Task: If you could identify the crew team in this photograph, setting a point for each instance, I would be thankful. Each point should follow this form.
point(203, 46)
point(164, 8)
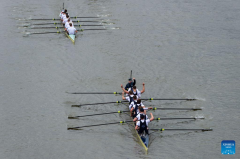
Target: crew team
point(67, 22)
point(136, 107)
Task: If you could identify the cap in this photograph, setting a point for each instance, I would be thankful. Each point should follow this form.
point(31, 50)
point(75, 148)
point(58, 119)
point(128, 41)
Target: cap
point(130, 79)
point(141, 110)
point(141, 116)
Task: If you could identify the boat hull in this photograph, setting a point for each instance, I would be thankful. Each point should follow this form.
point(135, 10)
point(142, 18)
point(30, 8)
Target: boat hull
point(144, 140)
point(71, 37)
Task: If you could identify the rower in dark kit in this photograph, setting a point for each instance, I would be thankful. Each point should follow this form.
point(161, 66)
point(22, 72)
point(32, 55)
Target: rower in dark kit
point(142, 125)
point(135, 107)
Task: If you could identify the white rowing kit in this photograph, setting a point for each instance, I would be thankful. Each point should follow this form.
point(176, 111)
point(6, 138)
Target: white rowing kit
point(71, 30)
point(137, 91)
point(147, 121)
point(138, 116)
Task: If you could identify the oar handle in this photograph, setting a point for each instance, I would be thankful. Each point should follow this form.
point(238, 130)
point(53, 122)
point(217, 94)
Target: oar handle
point(167, 99)
point(162, 129)
point(76, 117)
point(121, 122)
point(175, 118)
point(99, 103)
point(95, 93)
point(176, 108)
point(83, 17)
point(46, 32)
point(84, 21)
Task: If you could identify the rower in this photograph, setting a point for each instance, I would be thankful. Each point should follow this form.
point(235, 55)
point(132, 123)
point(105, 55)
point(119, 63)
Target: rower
point(130, 83)
point(142, 110)
point(67, 24)
point(135, 107)
point(71, 30)
point(142, 125)
point(128, 97)
point(135, 90)
point(63, 15)
point(66, 19)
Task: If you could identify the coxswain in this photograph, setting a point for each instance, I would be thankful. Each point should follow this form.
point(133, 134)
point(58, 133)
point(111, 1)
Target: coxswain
point(71, 30)
point(130, 83)
point(135, 90)
point(142, 125)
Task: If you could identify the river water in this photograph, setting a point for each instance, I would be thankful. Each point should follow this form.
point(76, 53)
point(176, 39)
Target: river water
point(179, 49)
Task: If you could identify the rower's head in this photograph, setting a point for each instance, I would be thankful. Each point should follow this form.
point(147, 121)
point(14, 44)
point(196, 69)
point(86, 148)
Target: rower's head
point(130, 92)
point(68, 19)
point(141, 116)
point(67, 16)
point(134, 87)
point(65, 11)
point(130, 80)
point(134, 97)
point(70, 24)
point(139, 101)
point(141, 110)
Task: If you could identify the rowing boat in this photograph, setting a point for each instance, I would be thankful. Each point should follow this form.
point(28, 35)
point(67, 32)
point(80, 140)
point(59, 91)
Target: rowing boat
point(71, 37)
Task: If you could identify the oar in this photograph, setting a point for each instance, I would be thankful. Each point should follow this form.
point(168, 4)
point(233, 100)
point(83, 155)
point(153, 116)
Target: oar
point(61, 27)
point(63, 31)
point(76, 117)
point(99, 103)
point(177, 108)
point(45, 32)
point(175, 118)
point(61, 23)
point(84, 17)
point(95, 93)
point(59, 18)
point(131, 74)
point(79, 127)
point(162, 129)
point(168, 99)
point(91, 29)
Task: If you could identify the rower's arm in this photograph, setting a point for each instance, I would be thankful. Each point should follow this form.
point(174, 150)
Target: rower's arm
point(143, 90)
point(134, 81)
point(135, 119)
point(152, 118)
point(123, 98)
point(145, 111)
point(137, 127)
point(131, 110)
point(124, 89)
